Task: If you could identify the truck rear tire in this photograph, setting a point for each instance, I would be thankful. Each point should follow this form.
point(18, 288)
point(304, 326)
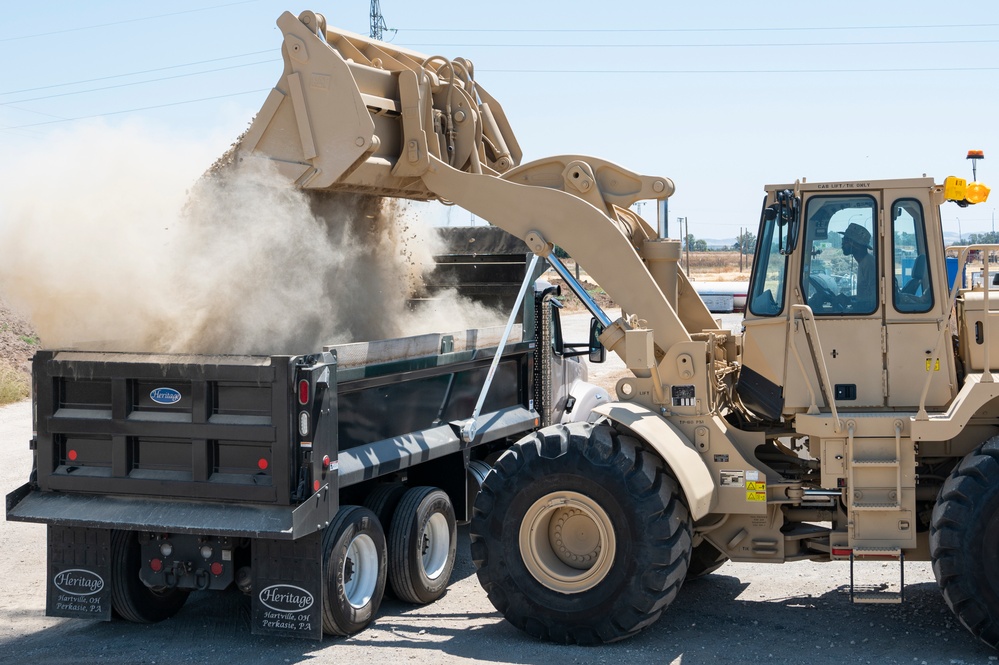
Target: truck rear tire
point(964, 542)
point(354, 570)
point(130, 598)
point(580, 535)
point(422, 545)
point(382, 501)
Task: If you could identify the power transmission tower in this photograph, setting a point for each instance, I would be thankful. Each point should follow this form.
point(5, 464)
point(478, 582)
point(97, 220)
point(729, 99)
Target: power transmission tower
point(378, 27)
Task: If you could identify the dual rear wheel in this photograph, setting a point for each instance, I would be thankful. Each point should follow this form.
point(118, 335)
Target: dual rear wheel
point(414, 556)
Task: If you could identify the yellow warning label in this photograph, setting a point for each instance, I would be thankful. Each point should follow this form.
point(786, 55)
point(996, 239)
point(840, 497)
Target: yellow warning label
point(929, 364)
point(756, 490)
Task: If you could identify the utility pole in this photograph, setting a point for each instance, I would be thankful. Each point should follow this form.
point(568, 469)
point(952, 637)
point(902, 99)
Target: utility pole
point(742, 246)
point(681, 222)
point(378, 27)
point(686, 224)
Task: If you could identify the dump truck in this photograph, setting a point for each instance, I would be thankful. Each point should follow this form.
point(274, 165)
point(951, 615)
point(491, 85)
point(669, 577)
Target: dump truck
point(852, 419)
point(310, 482)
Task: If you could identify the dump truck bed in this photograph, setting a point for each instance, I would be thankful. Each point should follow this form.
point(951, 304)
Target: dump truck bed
point(207, 444)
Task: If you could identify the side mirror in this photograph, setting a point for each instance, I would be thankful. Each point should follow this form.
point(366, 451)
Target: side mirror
point(787, 212)
point(598, 353)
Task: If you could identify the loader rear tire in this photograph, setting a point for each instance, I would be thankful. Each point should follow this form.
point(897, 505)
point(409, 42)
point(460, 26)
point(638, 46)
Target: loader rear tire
point(704, 560)
point(354, 570)
point(964, 542)
point(580, 535)
point(130, 598)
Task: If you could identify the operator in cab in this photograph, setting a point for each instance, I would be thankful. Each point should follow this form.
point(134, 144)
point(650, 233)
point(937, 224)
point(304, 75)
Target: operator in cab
point(857, 243)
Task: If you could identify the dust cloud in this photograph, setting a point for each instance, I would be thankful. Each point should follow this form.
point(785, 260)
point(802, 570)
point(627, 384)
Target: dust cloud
point(109, 238)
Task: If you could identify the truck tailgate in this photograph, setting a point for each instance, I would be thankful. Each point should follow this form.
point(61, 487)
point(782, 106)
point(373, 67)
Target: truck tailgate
point(198, 427)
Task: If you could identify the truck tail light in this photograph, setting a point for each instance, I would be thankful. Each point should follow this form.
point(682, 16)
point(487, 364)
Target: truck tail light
point(303, 391)
point(303, 423)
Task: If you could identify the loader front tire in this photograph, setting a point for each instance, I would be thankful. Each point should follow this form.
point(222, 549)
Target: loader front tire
point(964, 541)
point(580, 535)
point(705, 559)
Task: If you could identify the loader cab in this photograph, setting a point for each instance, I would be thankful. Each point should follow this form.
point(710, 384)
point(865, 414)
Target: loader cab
point(848, 280)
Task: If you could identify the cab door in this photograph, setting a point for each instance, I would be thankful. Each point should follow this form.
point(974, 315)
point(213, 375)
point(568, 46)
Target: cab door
point(917, 305)
point(841, 280)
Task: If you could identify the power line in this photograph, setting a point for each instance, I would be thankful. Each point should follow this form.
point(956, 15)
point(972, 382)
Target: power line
point(124, 85)
point(739, 71)
point(144, 108)
point(144, 71)
point(768, 29)
point(123, 21)
point(555, 71)
point(733, 45)
point(24, 110)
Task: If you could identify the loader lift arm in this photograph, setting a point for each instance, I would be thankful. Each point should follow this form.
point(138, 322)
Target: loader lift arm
point(353, 114)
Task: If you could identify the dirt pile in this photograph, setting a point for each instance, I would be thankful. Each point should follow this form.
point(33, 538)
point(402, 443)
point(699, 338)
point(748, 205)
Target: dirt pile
point(18, 339)
point(572, 303)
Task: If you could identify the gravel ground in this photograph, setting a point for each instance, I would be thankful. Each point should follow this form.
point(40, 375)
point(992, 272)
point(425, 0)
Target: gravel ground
point(751, 613)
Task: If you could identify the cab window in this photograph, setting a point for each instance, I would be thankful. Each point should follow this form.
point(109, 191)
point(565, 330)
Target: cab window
point(769, 270)
point(840, 256)
point(911, 290)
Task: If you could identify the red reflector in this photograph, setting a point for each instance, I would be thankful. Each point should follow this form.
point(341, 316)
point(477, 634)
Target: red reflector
point(216, 569)
point(841, 552)
point(303, 392)
point(326, 462)
point(71, 455)
point(262, 463)
point(156, 565)
point(315, 486)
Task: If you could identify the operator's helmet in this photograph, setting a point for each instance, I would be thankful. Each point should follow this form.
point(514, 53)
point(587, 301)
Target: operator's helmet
point(857, 234)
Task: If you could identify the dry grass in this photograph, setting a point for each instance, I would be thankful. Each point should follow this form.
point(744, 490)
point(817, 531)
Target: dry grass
point(14, 384)
point(716, 266)
point(704, 267)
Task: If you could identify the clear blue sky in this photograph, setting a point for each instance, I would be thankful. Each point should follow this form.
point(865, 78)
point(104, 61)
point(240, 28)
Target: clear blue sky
point(723, 97)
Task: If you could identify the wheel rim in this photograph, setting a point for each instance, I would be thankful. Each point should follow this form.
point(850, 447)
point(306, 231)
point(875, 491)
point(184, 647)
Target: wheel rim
point(567, 542)
point(435, 545)
point(360, 571)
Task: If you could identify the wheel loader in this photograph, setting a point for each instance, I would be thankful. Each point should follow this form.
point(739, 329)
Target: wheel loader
point(855, 418)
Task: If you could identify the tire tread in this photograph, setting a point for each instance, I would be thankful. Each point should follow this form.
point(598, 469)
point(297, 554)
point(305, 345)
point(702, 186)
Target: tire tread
point(971, 485)
point(652, 492)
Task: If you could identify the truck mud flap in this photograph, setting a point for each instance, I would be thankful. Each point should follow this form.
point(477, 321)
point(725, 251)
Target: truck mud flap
point(287, 596)
point(79, 573)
